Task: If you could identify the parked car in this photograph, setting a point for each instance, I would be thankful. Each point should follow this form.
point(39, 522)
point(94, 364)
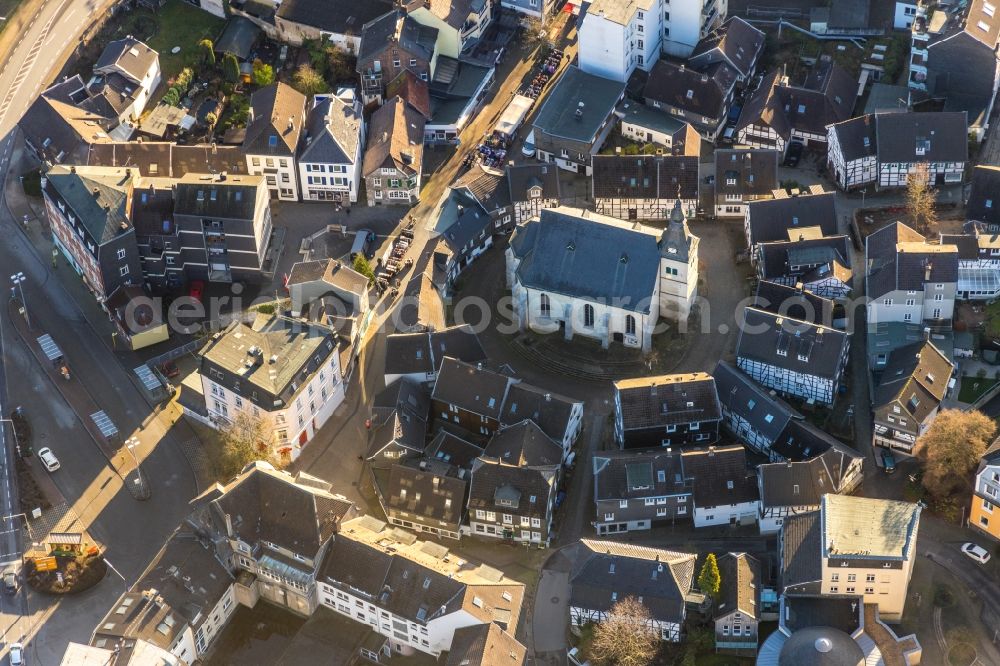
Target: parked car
point(16, 654)
point(48, 459)
point(978, 553)
point(10, 584)
point(793, 154)
point(196, 290)
point(169, 370)
point(528, 148)
point(888, 462)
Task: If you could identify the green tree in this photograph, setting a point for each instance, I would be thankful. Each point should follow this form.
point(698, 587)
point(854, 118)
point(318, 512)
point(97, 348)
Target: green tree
point(709, 580)
point(362, 266)
point(951, 449)
point(207, 49)
point(308, 81)
point(230, 68)
point(211, 119)
point(171, 97)
point(263, 74)
point(239, 112)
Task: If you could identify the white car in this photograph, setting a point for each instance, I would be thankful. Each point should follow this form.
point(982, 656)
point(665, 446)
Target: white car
point(978, 553)
point(48, 459)
point(16, 654)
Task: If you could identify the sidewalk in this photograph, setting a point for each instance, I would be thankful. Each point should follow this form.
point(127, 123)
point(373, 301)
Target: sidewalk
point(83, 404)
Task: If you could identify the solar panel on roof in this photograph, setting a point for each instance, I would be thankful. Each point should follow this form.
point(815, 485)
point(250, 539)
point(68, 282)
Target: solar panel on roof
point(149, 380)
point(104, 424)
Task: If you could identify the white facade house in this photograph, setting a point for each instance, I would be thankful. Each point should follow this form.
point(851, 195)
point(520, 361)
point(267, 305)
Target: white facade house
point(606, 301)
point(330, 161)
point(904, 15)
point(618, 37)
point(609, 570)
point(374, 578)
point(296, 400)
point(909, 280)
point(129, 71)
point(793, 357)
point(724, 491)
point(271, 143)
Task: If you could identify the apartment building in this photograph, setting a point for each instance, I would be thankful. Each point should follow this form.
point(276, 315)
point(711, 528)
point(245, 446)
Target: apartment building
point(986, 494)
point(330, 160)
point(639, 490)
point(285, 371)
point(393, 161)
point(666, 410)
point(271, 143)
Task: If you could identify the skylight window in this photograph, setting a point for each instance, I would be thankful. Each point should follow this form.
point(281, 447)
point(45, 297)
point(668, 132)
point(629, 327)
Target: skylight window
point(982, 25)
point(690, 94)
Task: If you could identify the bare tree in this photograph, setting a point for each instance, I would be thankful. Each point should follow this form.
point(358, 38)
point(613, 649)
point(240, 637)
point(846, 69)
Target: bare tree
point(626, 637)
point(920, 198)
point(244, 439)
point(951, 449)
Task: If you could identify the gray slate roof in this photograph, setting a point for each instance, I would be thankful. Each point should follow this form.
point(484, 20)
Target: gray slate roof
point(795, 303)
point(650, 402)
point(607, 571)
point(890, 269)
point(697, 91)
point(431, 490)
point(801, 541)
point(473, 388)
point(741, 585)
point(777, 258)
point(527, 489)
point(857, 137)
point(396, 24)
point(735, 41)
point(407, 353)
point(624, 474)
point(549, 411)
point(778, 219)
point(755, 172)
point(665, 177)
point(565, 253)
point(984, 196)
point(803, 483)
point(741, 395)
point(720, 476)
point(942, 135)
point(333, 133)
point(343, 17)
point(238, 37)
point(522, 177)
point(811, 349)
point(598, 97)
point(98, 200)
point(524, 444)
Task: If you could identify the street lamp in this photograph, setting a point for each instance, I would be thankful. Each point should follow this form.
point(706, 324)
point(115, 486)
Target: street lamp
point(17, 279)
point(130, 445)
point(119, 573)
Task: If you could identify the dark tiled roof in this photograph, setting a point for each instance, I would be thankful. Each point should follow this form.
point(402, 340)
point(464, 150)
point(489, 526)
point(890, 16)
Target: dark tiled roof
point(395, 138)
point(525, 445)
point(755, 172)
point(238, 37)
point(984, 196)
point(516, 485)
point(165, 159)
point(803, 483)
point(720, 476)
point(396, 25)
point(485, 645)
point(848, 14)
point(827, 96)
point(781, 219)
point(736, 41)
point(549, 411)
point(277, 111)
point(942, 136)
point(523, 177)
point(429, 489)
point(232, 199)
point(61, 130)
point(265, 505)
point(956, 69)
point(595, 97)
point(741, 585)
point(473, 223)
point(342, 17)
point(792, 302)
point(899, 258)
point(649, 402)
point(800, 550)
point(702, 92)
point(608, 571)
point(777, 258)
point(473, 388)
point(741, 395)
point(408, 353)
point(98, 199)
point(664, 177)
point(628, 474)
point(809, 349)
point(450, 448)
point(856, 137)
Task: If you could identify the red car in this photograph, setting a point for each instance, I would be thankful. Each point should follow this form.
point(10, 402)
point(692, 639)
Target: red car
point(169, 370)
point(196, 290)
